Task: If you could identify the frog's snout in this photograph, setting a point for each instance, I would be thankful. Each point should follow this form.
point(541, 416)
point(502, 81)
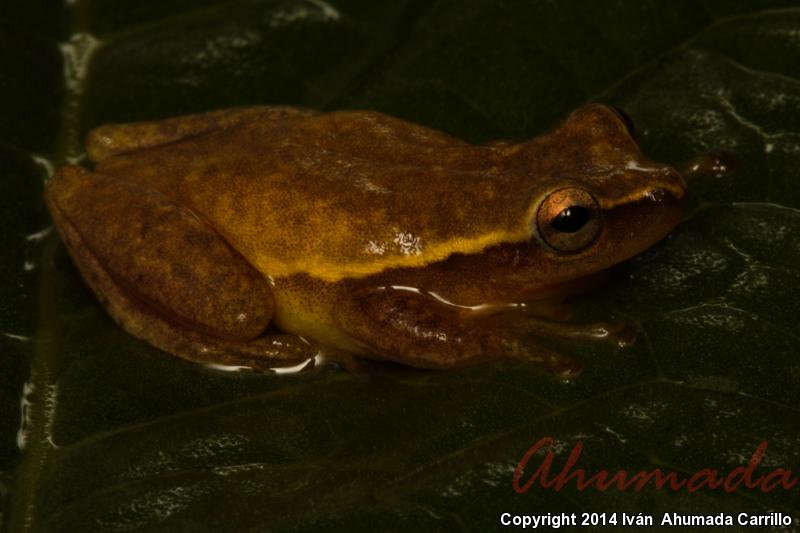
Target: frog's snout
point(666, 195)
point(672, 185)
point(657, 195)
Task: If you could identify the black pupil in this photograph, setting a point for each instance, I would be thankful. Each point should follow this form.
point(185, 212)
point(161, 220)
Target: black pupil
point(571, 219)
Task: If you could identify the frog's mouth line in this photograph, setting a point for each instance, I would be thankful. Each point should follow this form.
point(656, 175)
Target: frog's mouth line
point(675, 186)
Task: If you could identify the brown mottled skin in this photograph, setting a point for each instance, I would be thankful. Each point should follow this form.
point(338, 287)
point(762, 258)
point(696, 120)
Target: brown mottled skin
point(358, 232)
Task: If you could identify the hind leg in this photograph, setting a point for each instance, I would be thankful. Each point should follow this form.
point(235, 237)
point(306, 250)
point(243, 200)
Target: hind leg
point(165, 276)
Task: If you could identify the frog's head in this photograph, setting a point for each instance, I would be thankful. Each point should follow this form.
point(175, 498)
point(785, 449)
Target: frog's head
point(599, 202)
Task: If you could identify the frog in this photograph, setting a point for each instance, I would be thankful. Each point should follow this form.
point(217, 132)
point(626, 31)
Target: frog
point(264, 237)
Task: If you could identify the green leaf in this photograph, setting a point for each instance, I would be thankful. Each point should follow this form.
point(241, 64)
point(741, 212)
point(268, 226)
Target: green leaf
point(117, 436)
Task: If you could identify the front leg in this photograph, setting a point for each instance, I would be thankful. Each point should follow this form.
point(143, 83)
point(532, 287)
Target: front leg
point(415, 329)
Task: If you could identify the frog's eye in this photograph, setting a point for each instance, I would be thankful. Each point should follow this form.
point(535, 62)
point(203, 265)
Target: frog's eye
point(568, 220)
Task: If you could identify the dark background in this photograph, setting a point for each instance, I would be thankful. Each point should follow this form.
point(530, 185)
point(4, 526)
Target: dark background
point(120, 437)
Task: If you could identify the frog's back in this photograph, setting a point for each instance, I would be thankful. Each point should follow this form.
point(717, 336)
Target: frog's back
point(337, 195)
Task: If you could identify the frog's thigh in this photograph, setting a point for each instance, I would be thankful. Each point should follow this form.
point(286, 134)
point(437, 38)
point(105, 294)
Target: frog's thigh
point(204, 308)
point(112, 139)
point(160, 254)
point(417, 330)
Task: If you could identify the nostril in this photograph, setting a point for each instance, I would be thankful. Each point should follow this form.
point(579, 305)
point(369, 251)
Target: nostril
point(656, 195)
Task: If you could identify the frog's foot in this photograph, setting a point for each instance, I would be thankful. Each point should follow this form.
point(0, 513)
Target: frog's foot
point(560, 365)
point(417, 330)
point(113, 139)
point(346, 361)
point(619, 332)
point(548, 310)
point(165, 276)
